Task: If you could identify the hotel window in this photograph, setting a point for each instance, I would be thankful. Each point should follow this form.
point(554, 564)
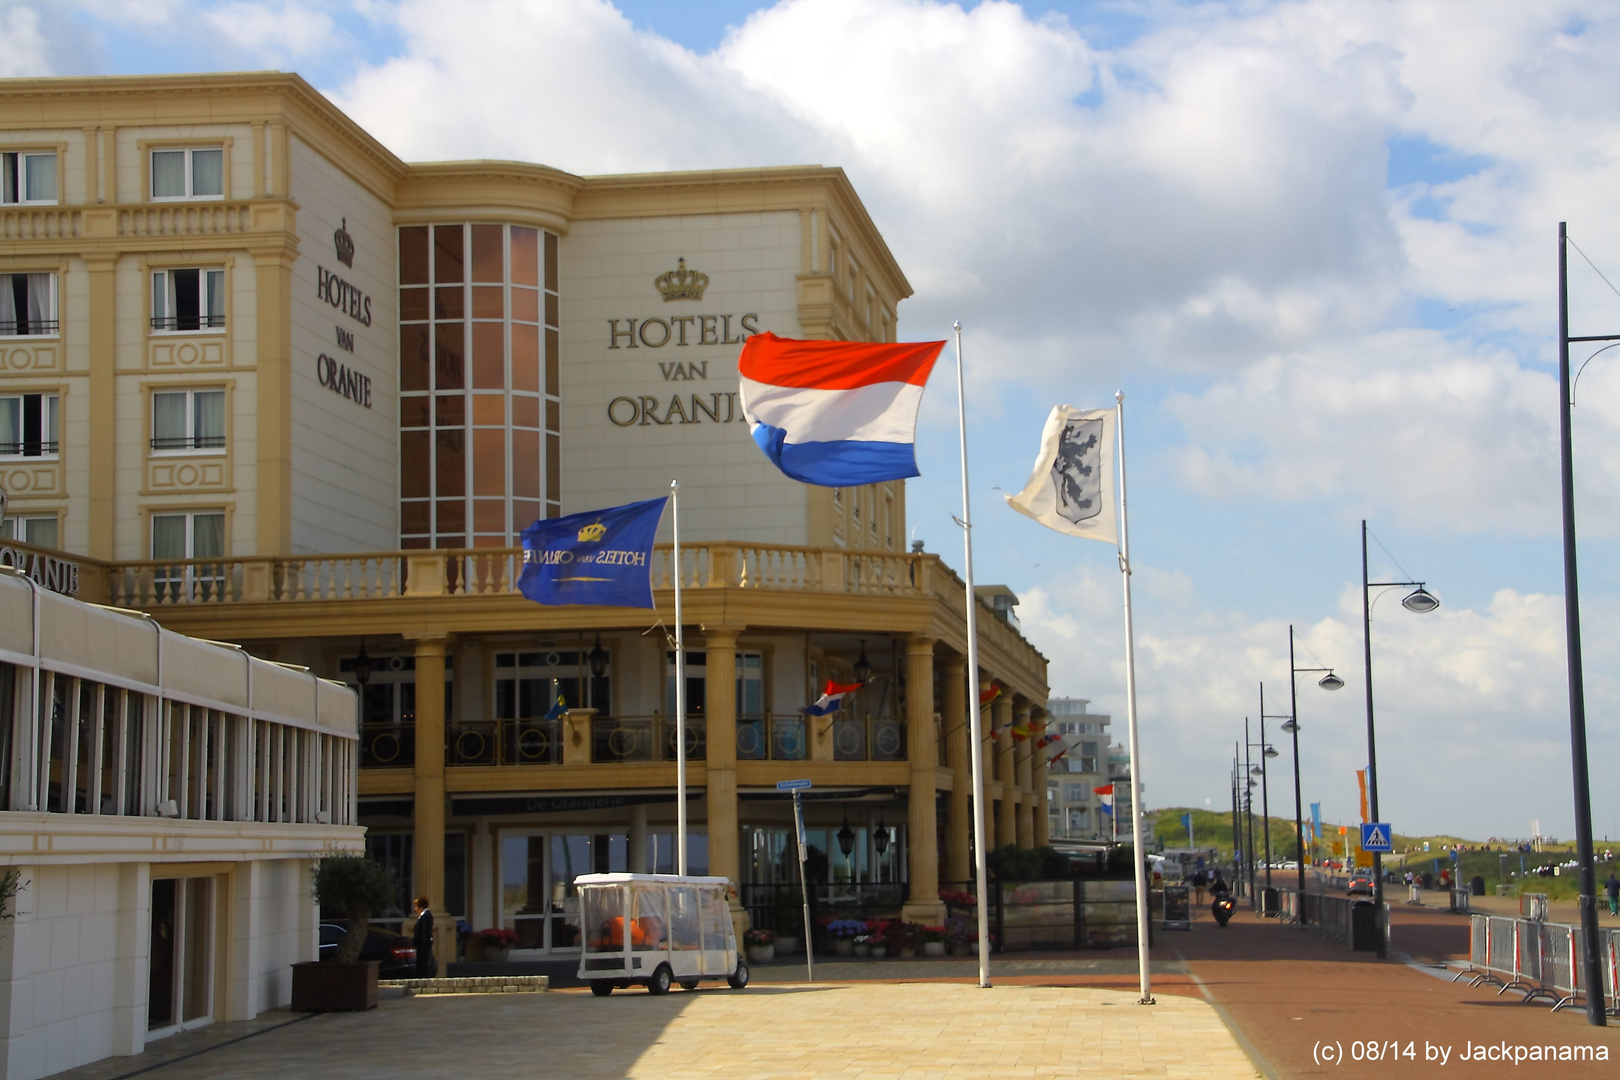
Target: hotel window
point(27, 305)
point(191, 299)
point(188, 420)
point(190, 173)
point(480, 410)
point(27, 178)
point(188, 536)
point(29, 425)
point(37, 529)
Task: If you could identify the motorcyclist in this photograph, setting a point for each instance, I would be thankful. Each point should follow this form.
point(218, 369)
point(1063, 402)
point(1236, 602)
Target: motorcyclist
point(1218, 887)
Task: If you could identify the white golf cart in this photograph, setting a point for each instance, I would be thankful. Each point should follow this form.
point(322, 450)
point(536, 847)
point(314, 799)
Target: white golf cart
point(679, 931)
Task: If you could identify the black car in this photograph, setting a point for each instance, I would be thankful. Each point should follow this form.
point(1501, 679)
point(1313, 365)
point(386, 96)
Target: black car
point(394, 952)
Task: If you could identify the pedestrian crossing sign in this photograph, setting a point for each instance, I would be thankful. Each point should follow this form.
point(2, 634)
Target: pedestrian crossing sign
point(1375, 836)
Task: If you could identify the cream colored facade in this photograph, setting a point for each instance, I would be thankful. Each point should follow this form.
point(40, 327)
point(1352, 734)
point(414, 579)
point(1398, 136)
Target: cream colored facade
point(508, 341)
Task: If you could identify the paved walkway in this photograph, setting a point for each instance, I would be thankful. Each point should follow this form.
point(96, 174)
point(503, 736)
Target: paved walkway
point(1256, 998)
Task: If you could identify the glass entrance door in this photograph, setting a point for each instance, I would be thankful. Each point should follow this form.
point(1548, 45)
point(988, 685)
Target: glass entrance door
point(180, 983)
point(538, 867)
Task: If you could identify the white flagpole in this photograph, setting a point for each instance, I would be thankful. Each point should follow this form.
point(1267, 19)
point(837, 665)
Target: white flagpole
point(680, 685)
point(975, 722)
point(1138, 856)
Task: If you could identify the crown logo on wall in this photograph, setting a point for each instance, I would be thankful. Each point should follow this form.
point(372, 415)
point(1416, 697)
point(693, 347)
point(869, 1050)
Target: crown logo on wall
point(344, 244)
point(681, 283)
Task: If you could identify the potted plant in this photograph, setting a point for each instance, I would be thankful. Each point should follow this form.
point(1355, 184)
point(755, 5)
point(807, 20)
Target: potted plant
point(843, 933)
point(761, 946)
point(933, 940)
point(877, 943)
point(357, 887)
point(962, 935)
point(496, 942)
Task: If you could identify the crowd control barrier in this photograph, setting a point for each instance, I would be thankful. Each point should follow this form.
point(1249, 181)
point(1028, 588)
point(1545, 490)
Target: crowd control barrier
point(1538, 959)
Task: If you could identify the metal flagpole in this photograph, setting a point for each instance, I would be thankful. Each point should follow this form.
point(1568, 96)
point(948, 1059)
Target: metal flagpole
point(680, 686)
point(975, 721)
point(1138, 856)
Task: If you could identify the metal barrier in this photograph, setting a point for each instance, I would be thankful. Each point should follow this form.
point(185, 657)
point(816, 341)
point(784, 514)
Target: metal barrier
point(1536, 958)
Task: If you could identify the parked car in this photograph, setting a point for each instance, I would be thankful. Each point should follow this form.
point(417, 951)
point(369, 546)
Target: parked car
point(394, 952)
point(1361, 885)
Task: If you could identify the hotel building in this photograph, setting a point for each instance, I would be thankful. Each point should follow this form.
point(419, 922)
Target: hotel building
point(270, 384)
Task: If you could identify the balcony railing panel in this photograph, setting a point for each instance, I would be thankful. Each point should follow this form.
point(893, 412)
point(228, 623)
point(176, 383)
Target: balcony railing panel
point(869, 739)
point(387, 745)
point(772, 738)
point(644, 738)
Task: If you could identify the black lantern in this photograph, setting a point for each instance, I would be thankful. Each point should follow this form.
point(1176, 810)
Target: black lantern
point(863, 666)
point(880, 838)
point(598, 658)
point(846, 838)
point(362, 665)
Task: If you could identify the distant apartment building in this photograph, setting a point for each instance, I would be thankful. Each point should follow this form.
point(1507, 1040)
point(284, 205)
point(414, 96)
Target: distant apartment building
point(1073, 806)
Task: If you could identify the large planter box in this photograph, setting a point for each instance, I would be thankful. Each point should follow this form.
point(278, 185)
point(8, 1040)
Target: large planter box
point(333, 987)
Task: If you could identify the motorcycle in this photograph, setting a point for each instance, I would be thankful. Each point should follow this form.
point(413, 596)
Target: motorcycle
point(1223, 907)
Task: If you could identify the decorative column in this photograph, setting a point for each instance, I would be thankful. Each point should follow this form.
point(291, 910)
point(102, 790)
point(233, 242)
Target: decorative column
point(1006, 772)
point(720, 731)
point(427, 841)
point(1024, 769)
point(959, 819)
point(1043, 823)
point(922, 841)
point(273, 393)
point(102, 458)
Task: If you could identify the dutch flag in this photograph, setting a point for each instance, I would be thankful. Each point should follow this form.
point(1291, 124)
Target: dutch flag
point(836, 413)
point(832, 700)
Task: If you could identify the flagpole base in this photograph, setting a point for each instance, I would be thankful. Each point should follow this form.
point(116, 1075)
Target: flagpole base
point(1146, 1001)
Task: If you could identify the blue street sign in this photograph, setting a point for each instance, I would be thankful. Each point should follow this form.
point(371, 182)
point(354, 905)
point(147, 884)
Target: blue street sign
point(1376, 836)
point(792, 785)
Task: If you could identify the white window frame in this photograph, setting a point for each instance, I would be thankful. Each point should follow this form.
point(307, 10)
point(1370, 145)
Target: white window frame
point(16, 529)
point(189, 170)
point(16, 163)
point(51, 324)
point(191, 517)
point(165, 295)
point(50, 442)
point(190, 445)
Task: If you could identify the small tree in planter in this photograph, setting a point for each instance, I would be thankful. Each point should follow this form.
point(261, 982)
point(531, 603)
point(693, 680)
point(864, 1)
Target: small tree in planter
point(358, 888)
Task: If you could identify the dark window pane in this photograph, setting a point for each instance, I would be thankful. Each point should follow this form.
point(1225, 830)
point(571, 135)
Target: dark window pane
point(450, 410)
point(553, 416)
point(489, 356)
point(413, 516)
point(553, 382)
point(449, 302)
point(486, 253)
point(449, 371)
point(413, 305)
point(525, 412)
point(450, 540)
point(525, 261)
point(187, 301)
point(553, 466)
point(489, 465)
point(413, 358)
point(489, 302)
point(450, 459)
point(551, 309)
point(447, 261)
point(525, 464)
point(551, 262)
point(413, 255)
point(525, 512)
point(413, 412)
point(525, 358)
point(413, 464)
point(489, 515)
point(452, 515)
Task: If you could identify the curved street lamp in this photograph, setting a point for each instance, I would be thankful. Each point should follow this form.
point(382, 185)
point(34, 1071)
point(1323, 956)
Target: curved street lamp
point(1329, 681)
point(1421, 601)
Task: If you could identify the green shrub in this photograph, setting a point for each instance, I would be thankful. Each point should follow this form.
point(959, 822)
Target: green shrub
point(357, 887)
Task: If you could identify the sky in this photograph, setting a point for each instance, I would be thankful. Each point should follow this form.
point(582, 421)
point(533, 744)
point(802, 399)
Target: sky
point(1314, 244)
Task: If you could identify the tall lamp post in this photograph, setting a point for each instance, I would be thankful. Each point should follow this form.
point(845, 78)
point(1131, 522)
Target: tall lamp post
point(1328, 681)
point(1592, 964)
point(1421, 601)
point(1266, 751)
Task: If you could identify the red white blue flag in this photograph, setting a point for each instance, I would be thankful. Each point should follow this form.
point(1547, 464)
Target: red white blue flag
point(832, 700)
point(835, 413)
point(1105, 795)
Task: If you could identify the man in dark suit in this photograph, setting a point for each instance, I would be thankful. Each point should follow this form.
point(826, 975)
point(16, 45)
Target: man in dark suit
point(426, 966)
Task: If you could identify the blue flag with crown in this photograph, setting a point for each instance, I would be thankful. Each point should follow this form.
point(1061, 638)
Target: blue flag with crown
point(601, 558)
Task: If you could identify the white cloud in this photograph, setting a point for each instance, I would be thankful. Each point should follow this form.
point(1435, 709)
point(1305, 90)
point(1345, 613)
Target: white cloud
point(279, 32)
point(25, 49)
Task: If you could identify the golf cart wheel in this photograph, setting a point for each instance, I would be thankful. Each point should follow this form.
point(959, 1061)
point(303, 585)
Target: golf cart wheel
point(660, 981)
point(739, 978)
point(689, 984)
point(601, 987)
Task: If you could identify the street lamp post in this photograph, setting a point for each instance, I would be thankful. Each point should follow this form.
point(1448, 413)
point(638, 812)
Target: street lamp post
point(1328, 681)
point(1592, 964)
point(1421, 601)
point(1266, 751)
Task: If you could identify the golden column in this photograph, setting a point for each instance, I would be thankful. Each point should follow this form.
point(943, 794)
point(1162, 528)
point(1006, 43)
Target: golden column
point(922, 840)
point(103, 428)
point(1024, 770)
point(273, 393)
point(427, 841)
point(1007, 818)
point(1043, 824)
point(958, 820)
point(720, 732)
